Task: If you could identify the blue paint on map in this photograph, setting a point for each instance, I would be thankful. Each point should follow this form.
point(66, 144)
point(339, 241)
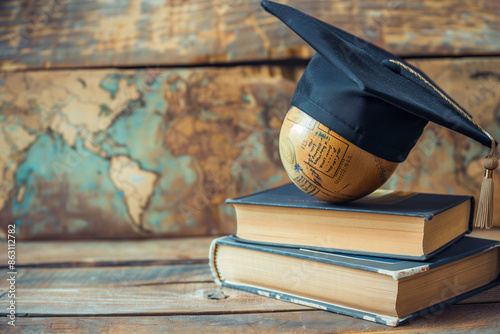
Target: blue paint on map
point(77, 225)
point(228, 209)
point(41, 224)
point(160, 105)
point(118, 150)
point(52, 161)
point(111, 83)
point(44, 149)
point(246, 98)
point(275, 179)
point(146, 147)
point(204, 81)
point(157, 215)
point(137, 179)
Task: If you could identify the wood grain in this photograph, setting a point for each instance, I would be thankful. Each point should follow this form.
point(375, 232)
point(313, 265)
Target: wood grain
point(490, 296)
point(455, 319)
point(137, 275)
point(114, 292)
point(142, 290)
point(165, 299)
point(111, 277)
point(108, 253)
point(181, 297)
point(63, 33)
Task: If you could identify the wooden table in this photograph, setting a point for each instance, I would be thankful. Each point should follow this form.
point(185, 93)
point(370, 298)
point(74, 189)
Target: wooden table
point(164, 285)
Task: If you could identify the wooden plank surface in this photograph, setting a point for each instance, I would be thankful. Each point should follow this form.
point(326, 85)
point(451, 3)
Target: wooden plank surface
point(168, 299)
point(457, 319)
point(110, 277)
point(167, 290)
point(109, 253)
point(96, 33)
point(181, 297)
point(209, 303)
point(138, 290)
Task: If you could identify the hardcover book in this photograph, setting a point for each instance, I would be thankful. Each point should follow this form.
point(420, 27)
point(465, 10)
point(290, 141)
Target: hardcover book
point(386, 223)
point(388, 291)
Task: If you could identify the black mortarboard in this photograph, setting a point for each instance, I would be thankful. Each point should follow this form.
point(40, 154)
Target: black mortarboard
point(369, 96)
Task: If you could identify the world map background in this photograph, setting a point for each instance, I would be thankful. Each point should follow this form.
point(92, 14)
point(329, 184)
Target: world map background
point(135, 153)
point(155, 152)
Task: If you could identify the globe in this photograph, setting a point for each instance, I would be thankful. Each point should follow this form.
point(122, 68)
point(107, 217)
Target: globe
point(326, 165)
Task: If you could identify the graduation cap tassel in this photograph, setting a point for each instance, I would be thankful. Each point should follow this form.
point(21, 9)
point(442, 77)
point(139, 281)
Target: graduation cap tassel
point(484, 218)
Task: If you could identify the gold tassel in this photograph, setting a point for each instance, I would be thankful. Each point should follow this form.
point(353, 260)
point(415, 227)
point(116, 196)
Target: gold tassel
point(484, 217)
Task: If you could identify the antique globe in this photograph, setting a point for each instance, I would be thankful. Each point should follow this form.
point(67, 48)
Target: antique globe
point(324, 164)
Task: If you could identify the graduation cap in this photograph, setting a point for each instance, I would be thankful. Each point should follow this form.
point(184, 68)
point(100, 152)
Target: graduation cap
point(375, 99)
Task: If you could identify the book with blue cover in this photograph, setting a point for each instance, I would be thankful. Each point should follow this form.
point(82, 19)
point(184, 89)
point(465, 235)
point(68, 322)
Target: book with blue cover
point(385, 223)
point(384, 290)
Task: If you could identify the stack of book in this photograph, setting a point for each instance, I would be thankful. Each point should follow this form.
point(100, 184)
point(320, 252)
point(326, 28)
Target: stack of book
point(389, 257)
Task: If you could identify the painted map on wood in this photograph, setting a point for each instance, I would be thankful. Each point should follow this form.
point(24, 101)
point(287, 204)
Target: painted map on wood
point(138, 153)
point(107, 153)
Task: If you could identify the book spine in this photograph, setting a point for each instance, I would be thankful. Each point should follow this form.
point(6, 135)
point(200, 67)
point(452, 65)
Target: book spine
point(471, 215)
point(385, 320)
point(212, 262)
point(219, 280)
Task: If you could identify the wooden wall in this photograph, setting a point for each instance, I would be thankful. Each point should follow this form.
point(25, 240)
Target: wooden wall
point(139, 118)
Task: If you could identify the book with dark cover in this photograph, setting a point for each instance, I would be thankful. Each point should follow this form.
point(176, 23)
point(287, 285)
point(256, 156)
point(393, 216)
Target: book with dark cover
point(386, 202)
point(469, 266)
point(385, 223)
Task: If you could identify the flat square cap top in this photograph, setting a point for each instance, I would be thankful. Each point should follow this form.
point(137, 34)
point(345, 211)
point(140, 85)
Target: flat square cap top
point(367, 95)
